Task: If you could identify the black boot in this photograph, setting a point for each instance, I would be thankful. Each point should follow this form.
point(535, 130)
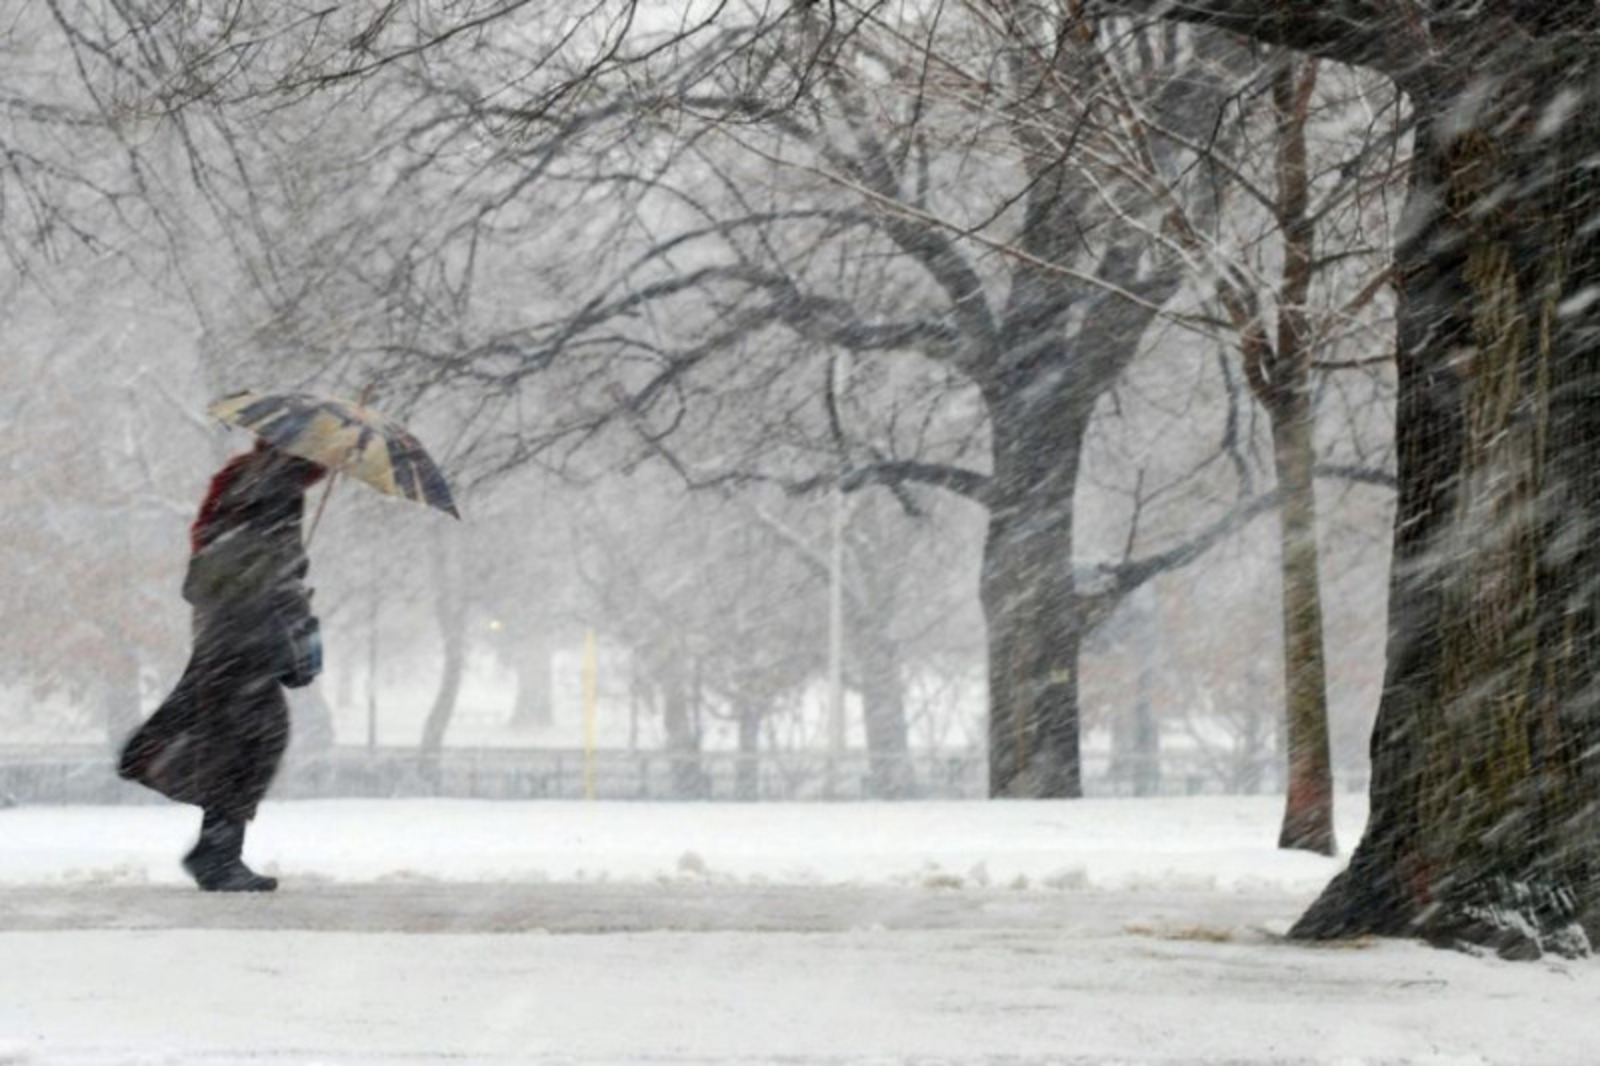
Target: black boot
point(215, 862)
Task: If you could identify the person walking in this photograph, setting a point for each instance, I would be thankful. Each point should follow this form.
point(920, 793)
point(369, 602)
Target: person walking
point(217, 739)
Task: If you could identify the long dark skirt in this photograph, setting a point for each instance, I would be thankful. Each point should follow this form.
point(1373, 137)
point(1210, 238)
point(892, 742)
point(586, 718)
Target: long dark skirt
point(217, 740)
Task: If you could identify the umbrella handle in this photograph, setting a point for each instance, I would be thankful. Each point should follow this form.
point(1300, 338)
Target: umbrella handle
point(333, 475)
point(322, 505)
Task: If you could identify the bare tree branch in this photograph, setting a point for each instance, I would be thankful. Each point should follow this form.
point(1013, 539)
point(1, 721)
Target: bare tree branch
point(1366, 33)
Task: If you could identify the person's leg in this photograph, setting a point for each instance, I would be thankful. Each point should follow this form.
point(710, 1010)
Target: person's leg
point(204, 860)
point(215, 862)
point(248, 737)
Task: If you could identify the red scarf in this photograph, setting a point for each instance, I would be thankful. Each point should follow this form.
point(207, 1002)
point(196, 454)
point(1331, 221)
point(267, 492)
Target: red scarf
point(215, 517)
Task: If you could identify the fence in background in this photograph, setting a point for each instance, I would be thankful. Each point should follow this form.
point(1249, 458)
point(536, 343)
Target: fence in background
point(79, 775)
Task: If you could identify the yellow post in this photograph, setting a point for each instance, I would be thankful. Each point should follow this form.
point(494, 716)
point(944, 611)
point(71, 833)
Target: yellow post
point(591, 699)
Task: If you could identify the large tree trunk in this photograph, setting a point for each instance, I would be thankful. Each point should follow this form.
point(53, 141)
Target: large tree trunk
point(1308, 811)
point(1030, 600)
point(883, 705)
point(1483, 797)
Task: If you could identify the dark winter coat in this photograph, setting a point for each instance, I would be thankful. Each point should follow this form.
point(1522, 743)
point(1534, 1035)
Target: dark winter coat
point(216, 741)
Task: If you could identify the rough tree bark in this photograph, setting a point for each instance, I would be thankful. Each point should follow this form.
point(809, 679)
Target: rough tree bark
point(1029, 595)
point(1483, 792)
point(1284, 388)
point(1483, 784)
point(1308, 805)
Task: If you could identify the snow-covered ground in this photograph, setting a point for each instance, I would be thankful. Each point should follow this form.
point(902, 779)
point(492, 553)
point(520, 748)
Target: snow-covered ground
point(1202, 843)
point(1132, 931)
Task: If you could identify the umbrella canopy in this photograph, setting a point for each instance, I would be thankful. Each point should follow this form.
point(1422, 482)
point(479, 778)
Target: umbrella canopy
point(344, 437)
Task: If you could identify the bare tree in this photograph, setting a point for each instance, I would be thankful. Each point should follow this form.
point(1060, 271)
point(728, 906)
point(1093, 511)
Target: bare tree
point(1483, 784)
point(1040, 331)
point(1313, 297)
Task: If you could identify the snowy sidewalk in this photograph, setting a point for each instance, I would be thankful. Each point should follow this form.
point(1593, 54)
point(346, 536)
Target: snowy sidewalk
point(462, 908)
point(1168, 990)
point(1121, 932)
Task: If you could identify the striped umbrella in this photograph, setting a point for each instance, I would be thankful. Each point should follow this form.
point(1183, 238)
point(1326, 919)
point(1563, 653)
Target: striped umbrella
point(345, 437)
